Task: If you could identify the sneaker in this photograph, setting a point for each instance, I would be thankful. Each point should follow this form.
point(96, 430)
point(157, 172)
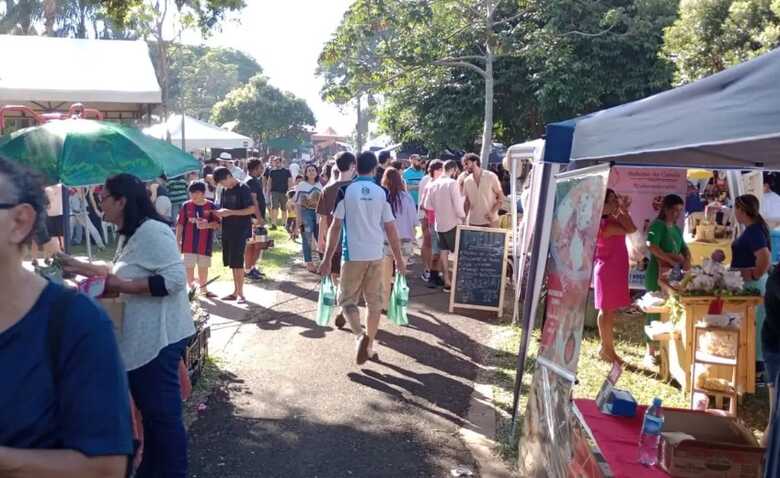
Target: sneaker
point(256, 274)
point(362, 349)
point(446, 288)
point(425, 276)
point(340, 321)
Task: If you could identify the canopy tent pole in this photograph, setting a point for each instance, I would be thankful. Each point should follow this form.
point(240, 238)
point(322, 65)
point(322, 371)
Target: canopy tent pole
point(85, 218)
point(515, 257)
point(531, 287)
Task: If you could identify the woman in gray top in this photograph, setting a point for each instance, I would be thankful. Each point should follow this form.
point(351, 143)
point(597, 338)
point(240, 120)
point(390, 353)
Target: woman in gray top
point(149, 278)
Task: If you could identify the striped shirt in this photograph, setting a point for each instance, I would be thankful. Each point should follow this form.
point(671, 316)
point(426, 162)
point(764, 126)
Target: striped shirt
point(194, 240)
point(177, 191)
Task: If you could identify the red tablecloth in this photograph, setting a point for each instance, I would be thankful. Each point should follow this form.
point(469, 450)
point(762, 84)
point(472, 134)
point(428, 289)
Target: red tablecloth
point(618, 440)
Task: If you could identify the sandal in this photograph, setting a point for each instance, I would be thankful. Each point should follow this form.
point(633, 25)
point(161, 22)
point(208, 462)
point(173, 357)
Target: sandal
point(208, 294)
point(241, 300)
point(230, 297)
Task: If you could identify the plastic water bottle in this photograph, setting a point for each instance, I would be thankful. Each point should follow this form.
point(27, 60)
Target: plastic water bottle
point(650, 438)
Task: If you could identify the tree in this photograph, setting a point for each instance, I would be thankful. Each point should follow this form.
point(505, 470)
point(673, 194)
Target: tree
point(712, 35)
point(19, 16)
point(200, 76)
point(263, 111)
point(381, 46)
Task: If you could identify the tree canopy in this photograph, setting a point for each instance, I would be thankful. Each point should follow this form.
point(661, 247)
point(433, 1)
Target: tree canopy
point(264, 112)
point(553, 59)
point(711, 35)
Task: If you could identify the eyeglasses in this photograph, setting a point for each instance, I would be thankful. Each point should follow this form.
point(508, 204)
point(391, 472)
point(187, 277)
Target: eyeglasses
point(8, 205)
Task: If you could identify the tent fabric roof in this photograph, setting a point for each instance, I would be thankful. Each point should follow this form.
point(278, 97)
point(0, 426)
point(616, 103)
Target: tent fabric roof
point(198, 134)
point(728, 120)
point(45, 69)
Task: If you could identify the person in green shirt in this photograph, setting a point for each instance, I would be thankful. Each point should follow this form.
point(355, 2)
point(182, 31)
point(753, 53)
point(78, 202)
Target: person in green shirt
point(667, 250)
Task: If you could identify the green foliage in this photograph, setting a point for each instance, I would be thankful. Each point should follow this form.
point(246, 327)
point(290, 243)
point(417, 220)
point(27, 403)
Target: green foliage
point(554, 59)
point(205, 14)
point(200, 77)
point(711, 35)
point(263, 111)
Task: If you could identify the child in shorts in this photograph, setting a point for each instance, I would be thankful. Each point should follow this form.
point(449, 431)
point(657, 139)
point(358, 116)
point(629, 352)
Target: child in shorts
point(195, 234)
point(292, 215)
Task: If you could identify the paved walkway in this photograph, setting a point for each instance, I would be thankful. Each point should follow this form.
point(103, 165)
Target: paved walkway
point(296, 405)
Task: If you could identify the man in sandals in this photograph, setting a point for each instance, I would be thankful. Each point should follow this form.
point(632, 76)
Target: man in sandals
point(362, 207)
point(236, 209)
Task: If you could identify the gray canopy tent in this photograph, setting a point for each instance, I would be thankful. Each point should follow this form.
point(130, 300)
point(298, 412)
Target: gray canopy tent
point(730, 120)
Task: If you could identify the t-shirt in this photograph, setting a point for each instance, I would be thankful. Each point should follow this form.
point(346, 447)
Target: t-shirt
point(670, 240)
point(380, 173)
point(329, 197)
point(295, 170)
point(237, 197)
point(770, 206)
point(308, 195)
point(482, 197)
point(177, 191)
point(743, 250)
point(88, 410)
point(256, 188)
point(413, 177)
point(279, 179)
point(364, 210)
point(194, 240)
point(770, 332)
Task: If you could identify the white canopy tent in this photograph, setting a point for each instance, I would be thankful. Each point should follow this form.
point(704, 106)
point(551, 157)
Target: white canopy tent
point(197, 134)
point(48, 74)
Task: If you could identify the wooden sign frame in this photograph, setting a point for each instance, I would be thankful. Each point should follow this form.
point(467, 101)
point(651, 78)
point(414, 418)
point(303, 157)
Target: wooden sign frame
point(500, 309)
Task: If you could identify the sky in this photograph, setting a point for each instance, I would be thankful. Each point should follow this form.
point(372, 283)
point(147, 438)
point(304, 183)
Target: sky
point(286, 37)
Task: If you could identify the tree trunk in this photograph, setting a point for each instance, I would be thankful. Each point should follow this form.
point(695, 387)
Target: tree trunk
point(360, 135)
point(487, 131)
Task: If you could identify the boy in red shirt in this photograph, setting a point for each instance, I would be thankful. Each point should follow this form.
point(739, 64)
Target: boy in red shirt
point(195, 234)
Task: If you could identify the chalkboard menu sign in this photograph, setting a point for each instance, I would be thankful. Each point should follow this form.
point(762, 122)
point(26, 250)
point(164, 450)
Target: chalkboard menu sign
point(479, 269)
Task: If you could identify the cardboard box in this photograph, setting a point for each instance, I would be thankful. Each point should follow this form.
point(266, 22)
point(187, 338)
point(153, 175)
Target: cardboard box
point(722, 448)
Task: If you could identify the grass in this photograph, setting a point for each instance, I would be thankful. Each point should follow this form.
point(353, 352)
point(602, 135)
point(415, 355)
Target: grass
point(274, 260)
point(753, 410)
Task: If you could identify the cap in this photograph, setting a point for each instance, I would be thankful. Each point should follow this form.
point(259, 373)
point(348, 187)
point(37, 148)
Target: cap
point(225, 155)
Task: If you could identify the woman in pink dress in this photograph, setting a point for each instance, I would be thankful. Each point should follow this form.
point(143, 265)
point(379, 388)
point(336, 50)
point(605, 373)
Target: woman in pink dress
point(610, 270)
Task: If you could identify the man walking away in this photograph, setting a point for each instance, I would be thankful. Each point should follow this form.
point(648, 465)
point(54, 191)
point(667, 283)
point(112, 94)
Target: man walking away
point(443, 197)
point(363, 208)
point(345, 163)
point(236, 209)
point(412, 176)
point(430, 248)
point(384, 157)
point(483, 193)
point(195, 227)
point(255, 183)
point(278, 181)
point(177, 193)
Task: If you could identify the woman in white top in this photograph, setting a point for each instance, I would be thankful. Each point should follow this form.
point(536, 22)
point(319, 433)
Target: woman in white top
point(149, 278)
point(307, 196)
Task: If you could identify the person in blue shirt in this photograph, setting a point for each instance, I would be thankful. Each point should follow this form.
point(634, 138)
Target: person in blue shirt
point(64, 402)
point(412, 177)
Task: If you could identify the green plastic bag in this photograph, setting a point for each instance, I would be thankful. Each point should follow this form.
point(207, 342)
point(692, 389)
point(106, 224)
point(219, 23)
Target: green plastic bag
point(326, 302)
point(399, 301)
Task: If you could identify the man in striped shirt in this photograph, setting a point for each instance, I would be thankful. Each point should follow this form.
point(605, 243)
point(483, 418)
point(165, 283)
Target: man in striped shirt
point(177, 193)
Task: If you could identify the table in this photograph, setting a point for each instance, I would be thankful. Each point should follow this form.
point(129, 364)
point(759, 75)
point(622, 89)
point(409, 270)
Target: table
point(677, 351)
point(616, 439)
point(701, 250)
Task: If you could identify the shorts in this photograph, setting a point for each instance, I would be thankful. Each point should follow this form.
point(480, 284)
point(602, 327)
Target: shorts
point(192, 260)
point(278, 200)
point(447, 240)
point(54, 225)
point(771, 366)
point(407, 249)
point(233, 248)
point(362, 279)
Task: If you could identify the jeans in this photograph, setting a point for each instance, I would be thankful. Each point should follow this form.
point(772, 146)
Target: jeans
point(156, 391)
point(78, 224)
point(309, 221)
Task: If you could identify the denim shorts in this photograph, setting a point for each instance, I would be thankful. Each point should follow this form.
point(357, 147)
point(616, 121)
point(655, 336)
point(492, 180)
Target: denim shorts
point(771, 366)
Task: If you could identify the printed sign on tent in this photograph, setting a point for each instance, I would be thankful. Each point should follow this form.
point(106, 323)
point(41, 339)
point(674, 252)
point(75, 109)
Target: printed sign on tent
point(579, 200)
point(642, 190)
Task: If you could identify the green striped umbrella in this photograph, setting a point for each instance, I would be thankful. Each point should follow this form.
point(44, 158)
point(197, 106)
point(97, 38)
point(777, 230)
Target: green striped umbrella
point(79, 152)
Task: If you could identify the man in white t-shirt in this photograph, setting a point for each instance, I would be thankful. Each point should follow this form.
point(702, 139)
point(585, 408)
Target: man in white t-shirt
point(363, 208)
point(770, 203)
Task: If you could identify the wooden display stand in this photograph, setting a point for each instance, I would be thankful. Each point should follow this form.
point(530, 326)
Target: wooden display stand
point(678, 350)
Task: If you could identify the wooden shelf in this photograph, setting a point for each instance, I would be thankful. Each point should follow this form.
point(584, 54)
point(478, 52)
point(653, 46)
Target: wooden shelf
point(731, 392)
point(708, 359)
